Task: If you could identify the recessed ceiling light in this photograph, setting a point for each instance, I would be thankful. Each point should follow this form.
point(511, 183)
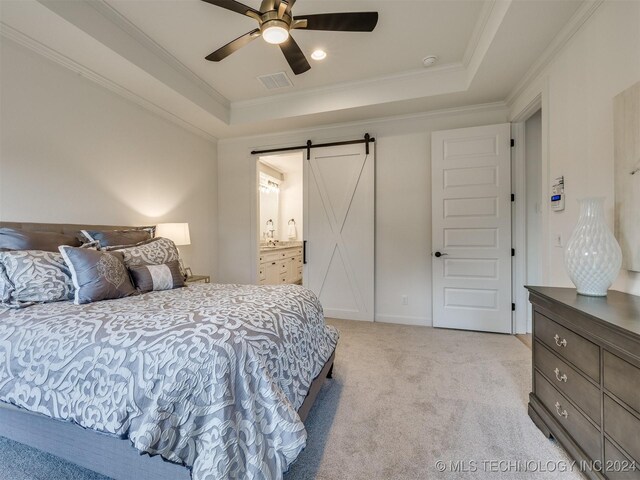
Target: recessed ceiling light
point(319, 55)
point(429, 60)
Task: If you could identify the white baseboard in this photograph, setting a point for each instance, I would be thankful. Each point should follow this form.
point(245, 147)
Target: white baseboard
point(344, 315)
point(404, 320)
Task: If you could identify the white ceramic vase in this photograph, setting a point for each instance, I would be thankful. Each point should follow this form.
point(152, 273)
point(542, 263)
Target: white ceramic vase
point(593, 257)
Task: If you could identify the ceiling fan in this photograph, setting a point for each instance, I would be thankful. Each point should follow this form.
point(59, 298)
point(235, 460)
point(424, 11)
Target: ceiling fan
point(275, 21)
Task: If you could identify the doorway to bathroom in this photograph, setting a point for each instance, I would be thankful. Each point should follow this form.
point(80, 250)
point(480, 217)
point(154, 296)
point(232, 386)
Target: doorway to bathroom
point(337, 253)
point(280, 203)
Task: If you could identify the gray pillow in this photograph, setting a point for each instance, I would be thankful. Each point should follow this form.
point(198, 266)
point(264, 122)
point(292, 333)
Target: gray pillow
point(153, 252)
point(14, 239)
point(149, 278)
point(97, 275)
point(33, 276)
point(110, 238)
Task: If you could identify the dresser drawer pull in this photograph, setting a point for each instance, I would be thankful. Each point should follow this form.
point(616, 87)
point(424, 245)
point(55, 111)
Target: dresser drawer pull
point(559, 343)
point(560, 378)
point(562, 413)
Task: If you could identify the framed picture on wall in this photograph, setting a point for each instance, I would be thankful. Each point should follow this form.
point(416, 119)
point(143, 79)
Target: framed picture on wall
point(626, 128)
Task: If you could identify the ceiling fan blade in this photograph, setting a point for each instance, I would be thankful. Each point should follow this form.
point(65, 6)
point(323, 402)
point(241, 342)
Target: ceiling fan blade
point(294, 56)
point(341, 22)
point(231, 47)
point(233, 6)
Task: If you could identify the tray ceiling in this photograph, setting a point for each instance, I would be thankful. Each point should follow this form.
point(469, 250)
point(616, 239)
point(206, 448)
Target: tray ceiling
point(152, 51)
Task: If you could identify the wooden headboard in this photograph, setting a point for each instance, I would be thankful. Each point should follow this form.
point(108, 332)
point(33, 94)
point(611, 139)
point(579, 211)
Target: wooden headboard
point(71, 229)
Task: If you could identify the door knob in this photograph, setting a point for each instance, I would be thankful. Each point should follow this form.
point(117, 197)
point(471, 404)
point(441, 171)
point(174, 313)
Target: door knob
point(438, 254)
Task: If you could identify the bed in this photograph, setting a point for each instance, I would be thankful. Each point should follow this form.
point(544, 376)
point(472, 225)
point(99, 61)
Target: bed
point(215, 378)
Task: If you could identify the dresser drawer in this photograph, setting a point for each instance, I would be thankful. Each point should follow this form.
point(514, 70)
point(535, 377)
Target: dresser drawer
point(283, 267)
point(566, 379)
point(623, 380)
point(617, 466)
point(576, 424)
point(569, 345)
point(623, 427)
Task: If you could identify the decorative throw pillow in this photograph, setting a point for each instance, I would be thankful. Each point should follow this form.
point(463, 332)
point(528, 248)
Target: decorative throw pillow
point(97, 275)
point(149, 278)
point(3, 286)
point(33, 276)
point(14, 239)
point(157, 251)
point(110, 238)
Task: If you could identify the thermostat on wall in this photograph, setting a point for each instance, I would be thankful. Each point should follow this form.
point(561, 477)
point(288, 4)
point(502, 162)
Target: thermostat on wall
point(557, 195)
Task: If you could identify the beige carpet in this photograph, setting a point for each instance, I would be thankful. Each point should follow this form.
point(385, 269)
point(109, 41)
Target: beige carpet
point(403, 398)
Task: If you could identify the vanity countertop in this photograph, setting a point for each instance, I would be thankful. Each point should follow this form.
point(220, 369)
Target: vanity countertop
point(280, 246)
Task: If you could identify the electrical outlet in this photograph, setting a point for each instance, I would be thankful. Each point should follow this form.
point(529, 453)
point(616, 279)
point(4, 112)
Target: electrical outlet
point(405, 299)
point(558, 240)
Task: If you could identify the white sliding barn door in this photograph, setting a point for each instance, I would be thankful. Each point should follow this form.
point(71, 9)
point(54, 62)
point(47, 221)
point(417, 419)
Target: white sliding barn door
point(339, 230)
point(471, 212)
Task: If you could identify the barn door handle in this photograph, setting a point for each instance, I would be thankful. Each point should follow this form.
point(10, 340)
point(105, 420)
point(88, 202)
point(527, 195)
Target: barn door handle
point(304, 252)
point(438, 254)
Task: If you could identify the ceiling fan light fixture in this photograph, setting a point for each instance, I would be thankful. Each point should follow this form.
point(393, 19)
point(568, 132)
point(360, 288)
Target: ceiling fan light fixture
point(275, 21)
point(275, 32)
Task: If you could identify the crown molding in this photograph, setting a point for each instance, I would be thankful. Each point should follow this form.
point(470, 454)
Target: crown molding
point(575, 23)
point(416, 74)
point(26, 41)
point(446, 80)
point(494, 16)
point(445, 112)
point(481, 25)
point(113, 15)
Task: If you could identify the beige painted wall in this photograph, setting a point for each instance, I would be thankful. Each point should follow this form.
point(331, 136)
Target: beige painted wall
point(73, 152)
point(403, 203)
point(601, 60)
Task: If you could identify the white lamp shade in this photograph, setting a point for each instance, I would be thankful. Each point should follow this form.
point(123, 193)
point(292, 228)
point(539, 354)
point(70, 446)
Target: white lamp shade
point(176, 232)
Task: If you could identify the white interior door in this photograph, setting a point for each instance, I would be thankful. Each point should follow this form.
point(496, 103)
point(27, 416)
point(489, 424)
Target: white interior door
point(339, 230)
point(471, 212)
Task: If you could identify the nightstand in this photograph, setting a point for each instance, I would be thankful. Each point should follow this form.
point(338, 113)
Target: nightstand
point(198, 279)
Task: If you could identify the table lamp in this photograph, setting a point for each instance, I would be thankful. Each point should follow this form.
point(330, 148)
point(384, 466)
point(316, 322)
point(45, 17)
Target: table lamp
point(178, 233)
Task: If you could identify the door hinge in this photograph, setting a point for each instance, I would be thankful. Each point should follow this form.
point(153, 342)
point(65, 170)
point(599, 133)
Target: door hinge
point(513, 307)
point(513, 252)
point(513, 142)
point(513, 197)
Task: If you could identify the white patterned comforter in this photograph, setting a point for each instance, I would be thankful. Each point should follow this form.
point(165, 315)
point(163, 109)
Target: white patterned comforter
point(210, 376)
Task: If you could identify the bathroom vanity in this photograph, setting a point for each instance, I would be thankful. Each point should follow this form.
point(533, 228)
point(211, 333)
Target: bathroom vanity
point(280, 264)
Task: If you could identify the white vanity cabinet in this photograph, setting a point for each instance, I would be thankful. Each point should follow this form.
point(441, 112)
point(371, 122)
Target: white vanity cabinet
point(280, 265)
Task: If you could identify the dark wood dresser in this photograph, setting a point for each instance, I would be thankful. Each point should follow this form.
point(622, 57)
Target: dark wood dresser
point(586, 377)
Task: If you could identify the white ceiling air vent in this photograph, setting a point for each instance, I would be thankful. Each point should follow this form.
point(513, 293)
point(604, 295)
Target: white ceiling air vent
point(275, 80)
